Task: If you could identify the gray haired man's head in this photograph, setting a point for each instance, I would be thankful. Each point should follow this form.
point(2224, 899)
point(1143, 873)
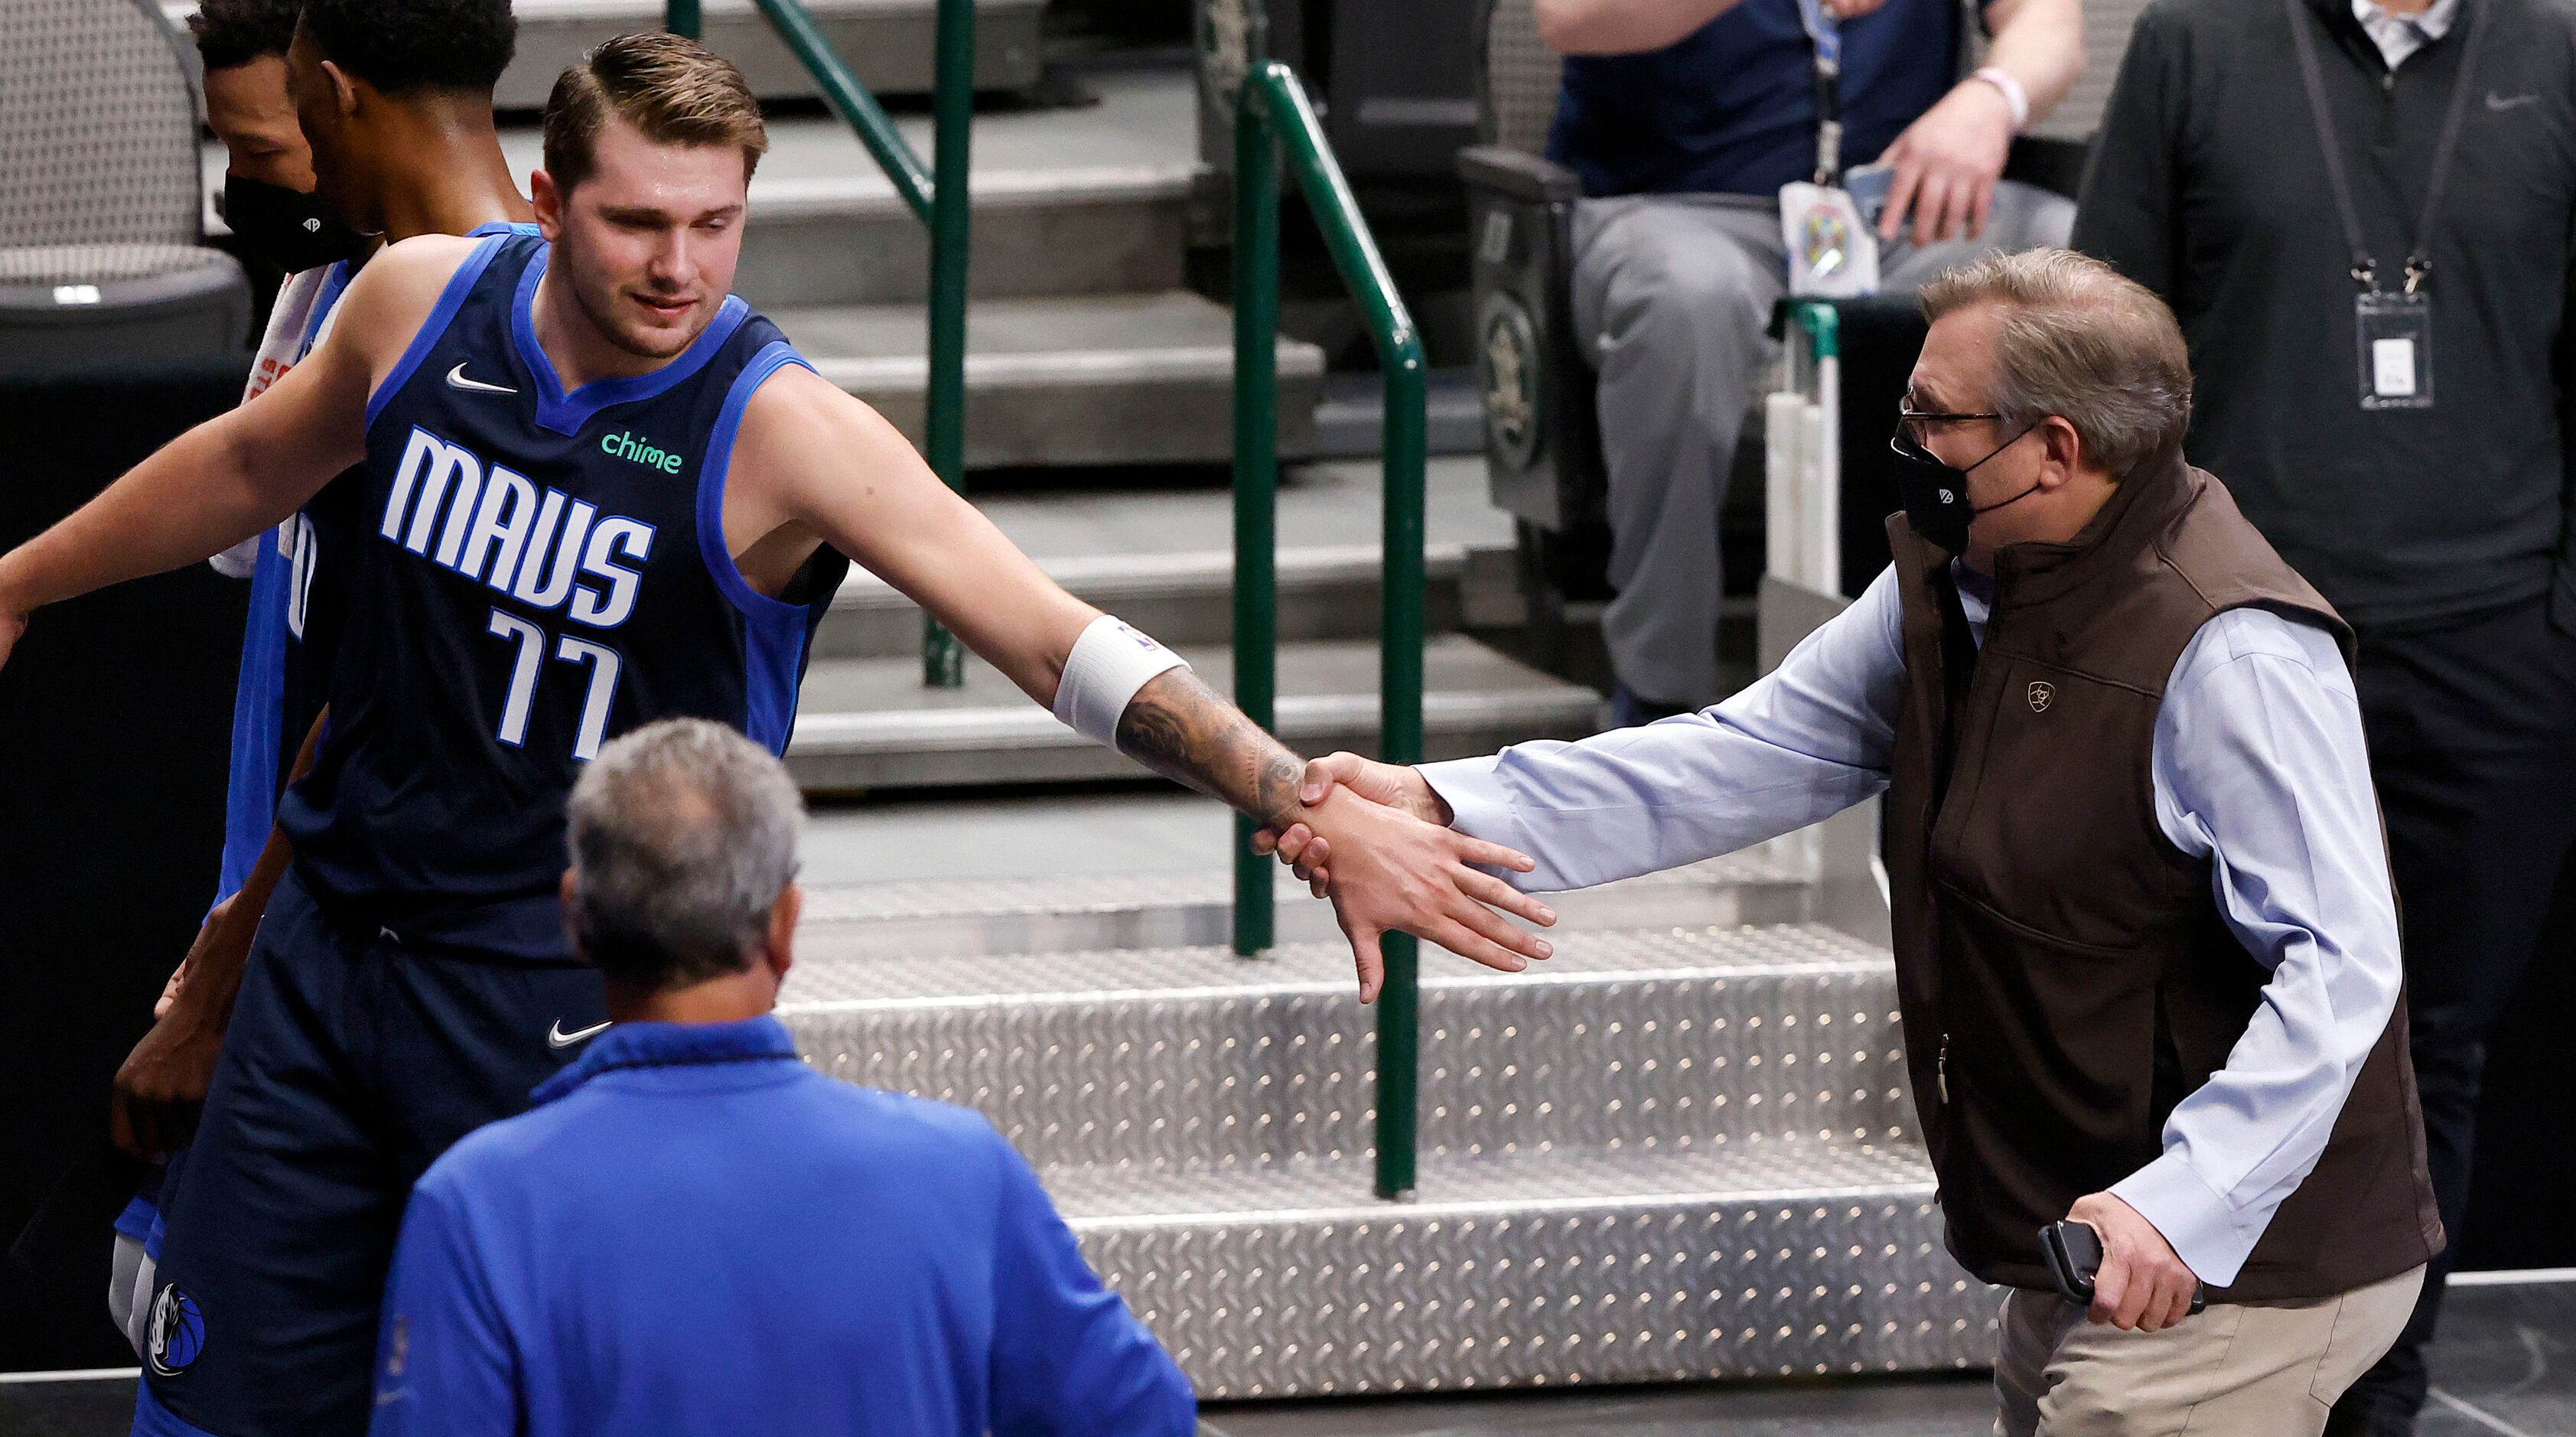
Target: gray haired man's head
point(2077, 339)
point(683, 837)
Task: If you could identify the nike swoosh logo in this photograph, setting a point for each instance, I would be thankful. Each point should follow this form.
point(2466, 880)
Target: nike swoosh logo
point(561, 1039)
point(456, 377)
point(2509, 102)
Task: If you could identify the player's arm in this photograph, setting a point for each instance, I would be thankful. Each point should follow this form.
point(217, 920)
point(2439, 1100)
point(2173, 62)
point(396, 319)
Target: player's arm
point(243, 471)
point(813, 463)
point(162, 1084)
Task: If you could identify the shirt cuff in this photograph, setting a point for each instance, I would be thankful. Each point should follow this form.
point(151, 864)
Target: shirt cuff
point(2199, 1224)
point(1473, 789)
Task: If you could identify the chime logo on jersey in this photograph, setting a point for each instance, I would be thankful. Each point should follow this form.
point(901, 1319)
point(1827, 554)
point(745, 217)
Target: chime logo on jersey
point(489, 523)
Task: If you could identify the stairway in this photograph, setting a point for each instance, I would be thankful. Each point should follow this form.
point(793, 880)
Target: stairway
point(1682, 1148)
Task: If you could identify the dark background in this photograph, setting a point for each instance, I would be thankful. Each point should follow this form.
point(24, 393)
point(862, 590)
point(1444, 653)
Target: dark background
point(115, 718)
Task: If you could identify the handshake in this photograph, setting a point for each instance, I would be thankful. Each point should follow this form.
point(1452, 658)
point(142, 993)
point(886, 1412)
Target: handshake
point(1375, 839)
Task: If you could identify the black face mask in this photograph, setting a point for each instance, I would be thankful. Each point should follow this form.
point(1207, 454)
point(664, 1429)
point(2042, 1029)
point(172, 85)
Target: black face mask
point(1936, 495)
point(290, 229)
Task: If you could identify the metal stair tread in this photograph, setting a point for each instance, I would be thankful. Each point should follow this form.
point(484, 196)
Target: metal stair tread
point(1528, 1183)
point(880, 705)
point(1094, 893)
point(1042, 340)
point(820, 985)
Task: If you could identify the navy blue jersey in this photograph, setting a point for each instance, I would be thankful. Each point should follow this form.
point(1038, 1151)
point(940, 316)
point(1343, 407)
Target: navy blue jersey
point(537, 573)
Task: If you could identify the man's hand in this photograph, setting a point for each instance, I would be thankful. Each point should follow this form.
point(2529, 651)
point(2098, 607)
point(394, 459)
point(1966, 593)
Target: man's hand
point(2142, 1284)
point(1392, 784)
point(164, 1080)
point(1947, 163)
point(163, 1084)
point(1399, 873)
point(11, 626)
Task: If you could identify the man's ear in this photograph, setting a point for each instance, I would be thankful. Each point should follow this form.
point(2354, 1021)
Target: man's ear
point(548, 202)
point(2062, 450)
point(782, 930)
point(568, 893)
point(344, 89)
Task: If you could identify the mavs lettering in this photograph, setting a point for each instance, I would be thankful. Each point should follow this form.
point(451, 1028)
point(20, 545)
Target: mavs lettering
point(487, 522)
point(538, 549)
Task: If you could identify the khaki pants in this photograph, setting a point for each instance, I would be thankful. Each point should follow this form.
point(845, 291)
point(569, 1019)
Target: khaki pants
point(2259, 1369)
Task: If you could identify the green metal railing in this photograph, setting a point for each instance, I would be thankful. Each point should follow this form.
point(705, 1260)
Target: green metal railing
point(1272, 114)
point(936, 196)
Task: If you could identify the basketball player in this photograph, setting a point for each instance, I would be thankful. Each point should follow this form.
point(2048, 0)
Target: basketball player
point(399, 94)
point(598, 492)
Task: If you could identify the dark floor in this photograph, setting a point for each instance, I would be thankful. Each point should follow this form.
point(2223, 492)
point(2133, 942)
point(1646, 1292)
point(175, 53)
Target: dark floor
point(2506, 1367)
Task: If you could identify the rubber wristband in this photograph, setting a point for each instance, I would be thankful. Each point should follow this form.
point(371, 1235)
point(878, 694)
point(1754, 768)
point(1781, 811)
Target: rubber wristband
point(2015, 97)
point(1109, 663)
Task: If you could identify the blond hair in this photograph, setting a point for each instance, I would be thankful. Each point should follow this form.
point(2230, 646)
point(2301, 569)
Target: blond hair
point(675, 90)
point(2077, 339)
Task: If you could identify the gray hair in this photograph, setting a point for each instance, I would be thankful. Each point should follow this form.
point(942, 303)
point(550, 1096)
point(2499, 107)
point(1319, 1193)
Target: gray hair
point(2077, 339)
point(683, 834)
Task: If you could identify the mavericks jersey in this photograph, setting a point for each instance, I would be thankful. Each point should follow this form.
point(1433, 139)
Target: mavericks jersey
point(535, 572)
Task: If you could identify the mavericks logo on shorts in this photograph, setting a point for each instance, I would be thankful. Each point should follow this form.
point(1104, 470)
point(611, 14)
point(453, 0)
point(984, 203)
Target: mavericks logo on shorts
point(178, 1332)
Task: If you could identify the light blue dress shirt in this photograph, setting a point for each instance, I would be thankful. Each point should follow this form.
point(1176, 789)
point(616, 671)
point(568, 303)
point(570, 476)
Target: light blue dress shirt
point(2258, 765)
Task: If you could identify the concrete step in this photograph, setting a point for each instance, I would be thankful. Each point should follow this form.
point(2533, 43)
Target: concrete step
point(1187, 598)
point(888, 44)
point(1075, 912)
point(1076, 380)
point(1726, 1038)
point(869, 723)
point(1532, 1269)
point(1082, 199)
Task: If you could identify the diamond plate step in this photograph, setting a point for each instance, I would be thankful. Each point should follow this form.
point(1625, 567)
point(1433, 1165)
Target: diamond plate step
point(1072, 912)
point(1186, 598)
point(869, 723)
point(888, 44)
point(1801, 1260)
point(1191, 1057)
point(1066, 380)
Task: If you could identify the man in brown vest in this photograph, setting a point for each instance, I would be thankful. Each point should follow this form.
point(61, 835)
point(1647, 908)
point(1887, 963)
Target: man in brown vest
point(2146, 948)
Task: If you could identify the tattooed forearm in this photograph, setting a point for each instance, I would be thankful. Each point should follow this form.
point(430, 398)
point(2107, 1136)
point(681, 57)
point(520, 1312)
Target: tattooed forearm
point(1180, 728)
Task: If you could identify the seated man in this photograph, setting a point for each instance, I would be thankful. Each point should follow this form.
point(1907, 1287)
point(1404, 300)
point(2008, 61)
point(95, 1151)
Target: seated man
point(1684, 118)
point(696, 1233)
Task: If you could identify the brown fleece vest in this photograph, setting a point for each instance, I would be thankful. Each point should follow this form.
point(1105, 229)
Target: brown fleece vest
point(2064, 972)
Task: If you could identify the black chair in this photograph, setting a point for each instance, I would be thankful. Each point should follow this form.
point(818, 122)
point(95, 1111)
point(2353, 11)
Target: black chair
point(1542, 435)
point(100, 192)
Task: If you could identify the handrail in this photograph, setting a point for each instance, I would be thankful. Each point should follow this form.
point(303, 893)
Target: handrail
point(1272, 114)
point(936, 196)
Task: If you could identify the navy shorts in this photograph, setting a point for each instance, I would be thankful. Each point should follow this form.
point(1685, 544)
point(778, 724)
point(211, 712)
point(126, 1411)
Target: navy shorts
point(352, 1062)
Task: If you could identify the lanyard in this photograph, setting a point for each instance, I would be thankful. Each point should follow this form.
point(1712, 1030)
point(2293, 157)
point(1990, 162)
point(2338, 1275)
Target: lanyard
point(1826, 35)
point(2419, 264)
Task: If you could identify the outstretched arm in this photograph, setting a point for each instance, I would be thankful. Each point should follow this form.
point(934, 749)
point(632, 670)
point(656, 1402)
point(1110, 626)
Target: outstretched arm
point(1812, 738)
point(812, 464)
point(242, 471)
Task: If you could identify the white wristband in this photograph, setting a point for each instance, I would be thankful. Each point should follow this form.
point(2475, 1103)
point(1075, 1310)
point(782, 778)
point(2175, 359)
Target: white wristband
point(1109, 663)
point(2015, 97)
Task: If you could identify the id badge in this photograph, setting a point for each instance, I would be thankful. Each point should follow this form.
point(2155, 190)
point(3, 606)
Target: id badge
point(1832, 253)
point(2394, 333)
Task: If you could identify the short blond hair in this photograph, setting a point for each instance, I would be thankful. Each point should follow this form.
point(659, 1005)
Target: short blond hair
point(2077, 339)
point(675, 90)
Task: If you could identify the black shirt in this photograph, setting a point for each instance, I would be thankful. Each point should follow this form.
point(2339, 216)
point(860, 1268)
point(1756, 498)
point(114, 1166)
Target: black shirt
point(2207, 186)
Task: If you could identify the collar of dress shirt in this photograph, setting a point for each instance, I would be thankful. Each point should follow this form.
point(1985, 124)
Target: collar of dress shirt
point(2400, 36)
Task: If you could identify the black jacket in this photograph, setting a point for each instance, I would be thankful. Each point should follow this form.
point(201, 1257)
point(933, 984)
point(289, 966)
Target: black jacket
point(2207, 185)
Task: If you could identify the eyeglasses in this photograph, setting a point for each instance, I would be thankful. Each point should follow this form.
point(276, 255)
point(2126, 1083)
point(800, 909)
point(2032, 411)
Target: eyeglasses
point(1913, 425)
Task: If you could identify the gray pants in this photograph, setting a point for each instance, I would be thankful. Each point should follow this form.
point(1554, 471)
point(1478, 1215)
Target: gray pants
point(1672, 295)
